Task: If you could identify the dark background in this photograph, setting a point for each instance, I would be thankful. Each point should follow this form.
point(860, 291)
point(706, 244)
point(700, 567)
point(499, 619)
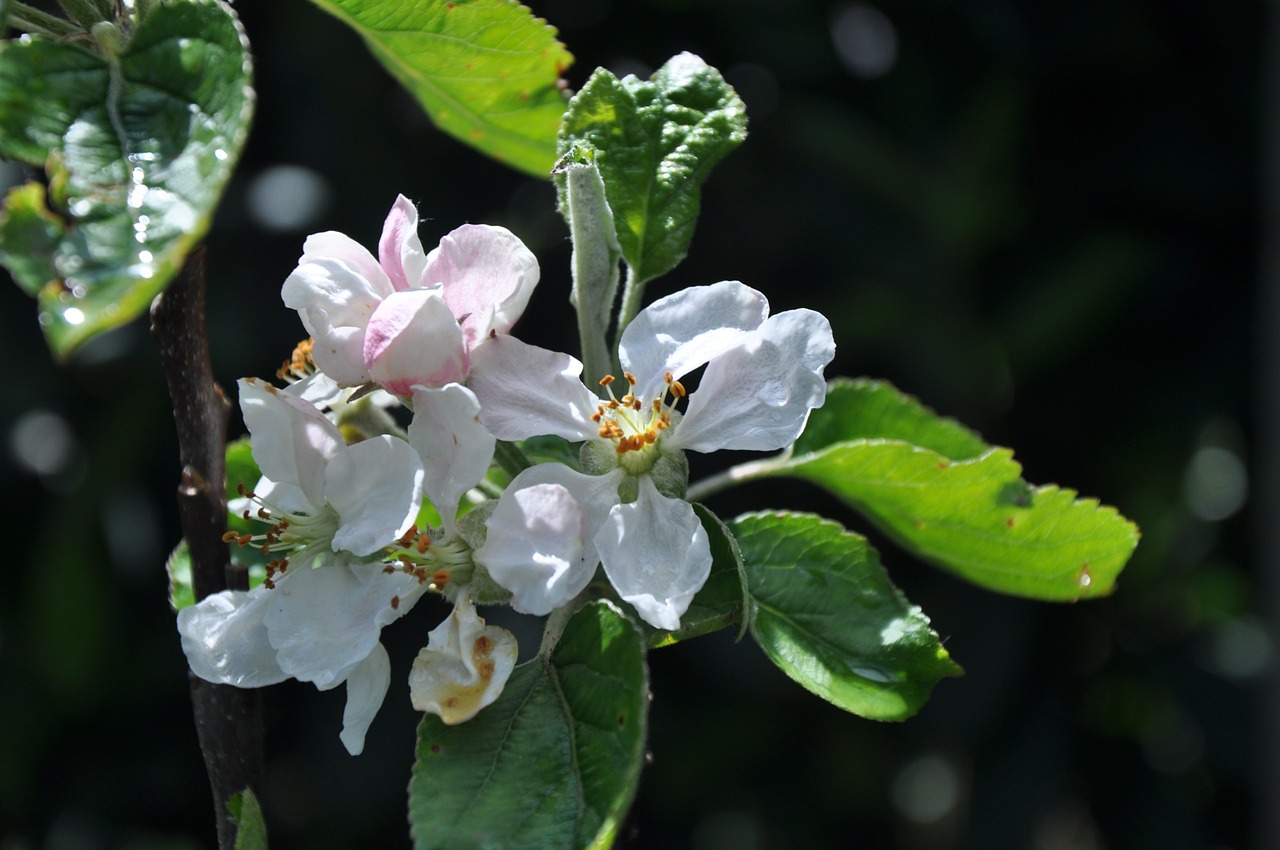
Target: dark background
point(1043, 219)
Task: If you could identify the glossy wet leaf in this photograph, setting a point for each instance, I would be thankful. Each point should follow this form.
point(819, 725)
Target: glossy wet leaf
point(138, 146)
point(487, 72)
point(826, 613)
point(554, 762)
point(656, 141)
point(940, 492)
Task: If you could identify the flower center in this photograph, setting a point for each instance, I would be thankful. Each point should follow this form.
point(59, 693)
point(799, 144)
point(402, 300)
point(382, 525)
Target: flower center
point(289, 535)
point(634, 425)
point(433, 559)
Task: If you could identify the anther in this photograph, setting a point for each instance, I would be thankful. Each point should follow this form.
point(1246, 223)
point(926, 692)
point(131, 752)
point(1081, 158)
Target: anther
point(631, 379)
point(229, 536)
point(395, 602)
point(678, 390)
point(607, 380)
point(424, 543)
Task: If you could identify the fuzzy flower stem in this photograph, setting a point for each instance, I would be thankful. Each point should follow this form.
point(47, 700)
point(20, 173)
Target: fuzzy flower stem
point(734, 475)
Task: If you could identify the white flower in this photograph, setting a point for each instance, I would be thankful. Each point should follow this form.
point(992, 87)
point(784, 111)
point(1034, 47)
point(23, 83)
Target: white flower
point(408, 318)
point(464, 666)
point(454, 447)
point(329, 509)
point(315, 625)
point(763, 376)
point(320, 494)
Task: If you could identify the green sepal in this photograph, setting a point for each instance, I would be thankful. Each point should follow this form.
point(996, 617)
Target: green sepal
point(955, 501)
point(137, 146)
point(487, 72)
point(656, 141)
point(826, 614)
point(554, 761)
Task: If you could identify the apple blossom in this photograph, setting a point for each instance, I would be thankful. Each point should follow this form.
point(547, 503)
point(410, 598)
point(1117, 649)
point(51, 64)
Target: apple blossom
point(763, 376)
point(408, 318)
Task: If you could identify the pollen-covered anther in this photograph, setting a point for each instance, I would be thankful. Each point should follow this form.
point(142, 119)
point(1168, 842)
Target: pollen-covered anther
point(300, 364)
point(631, 379)
point(440, 578)
point(228, 536)
point(678, 390)
point(607, 380)
point(423, 544)
point(408, 537)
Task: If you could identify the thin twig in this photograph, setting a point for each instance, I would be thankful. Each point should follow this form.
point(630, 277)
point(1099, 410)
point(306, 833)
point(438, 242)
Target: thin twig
point(228, 719)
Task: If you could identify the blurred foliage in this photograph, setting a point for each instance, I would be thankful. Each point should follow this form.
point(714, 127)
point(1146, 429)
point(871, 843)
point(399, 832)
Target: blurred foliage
point(1037, 219)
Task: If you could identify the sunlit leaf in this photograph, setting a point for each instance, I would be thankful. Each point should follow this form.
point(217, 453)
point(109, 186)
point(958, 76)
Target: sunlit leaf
point(487, 72)
point(656, 141)
point(827, 615)
point(138, 139)
point(943, 494)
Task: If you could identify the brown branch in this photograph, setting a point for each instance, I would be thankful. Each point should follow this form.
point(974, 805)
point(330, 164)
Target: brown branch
point(228, 719)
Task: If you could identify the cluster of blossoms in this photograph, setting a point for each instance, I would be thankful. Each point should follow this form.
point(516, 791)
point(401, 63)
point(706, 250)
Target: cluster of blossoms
point(343, 487)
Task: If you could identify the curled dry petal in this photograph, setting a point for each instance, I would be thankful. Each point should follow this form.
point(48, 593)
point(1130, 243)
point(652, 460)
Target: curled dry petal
point(463, 667)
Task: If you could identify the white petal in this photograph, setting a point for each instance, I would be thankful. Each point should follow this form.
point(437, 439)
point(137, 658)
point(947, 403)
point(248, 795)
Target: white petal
point(487, 275)
point(318, 389)
point(656, 555)
point(758, 395)
point(292, 440)
point(400, 250)
point(464, 666)
point(526, 391)
point(413, 338)
point(325, 621)
point(680, 332)
point(225, 640)
point(376, 488)
point(335, 289)
point(454, 447)
point(366, 689)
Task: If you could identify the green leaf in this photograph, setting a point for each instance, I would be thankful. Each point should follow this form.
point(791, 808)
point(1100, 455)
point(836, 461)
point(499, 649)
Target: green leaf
point(138, 146)
point(863, 409)
point(941, 493)
point(827, 615)
point(554, 762)
point(487, 72)
point(722, 601)
point(182, 590)
point(251, 828)
point(27, 224)
point(656, 142)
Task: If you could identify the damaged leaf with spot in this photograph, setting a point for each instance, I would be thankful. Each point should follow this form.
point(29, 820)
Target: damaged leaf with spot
point(942, 493)
point(138, 135)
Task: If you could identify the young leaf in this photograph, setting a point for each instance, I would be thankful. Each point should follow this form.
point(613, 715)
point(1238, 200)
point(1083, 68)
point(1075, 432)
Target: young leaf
point(29, 235)
point(554, 762)
point(656, 141)
point(487, 72)
point(138, 140)
point(182, 591)
point(723, 599)
point(251, 828)
point(940, 492)
point(827, 615)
